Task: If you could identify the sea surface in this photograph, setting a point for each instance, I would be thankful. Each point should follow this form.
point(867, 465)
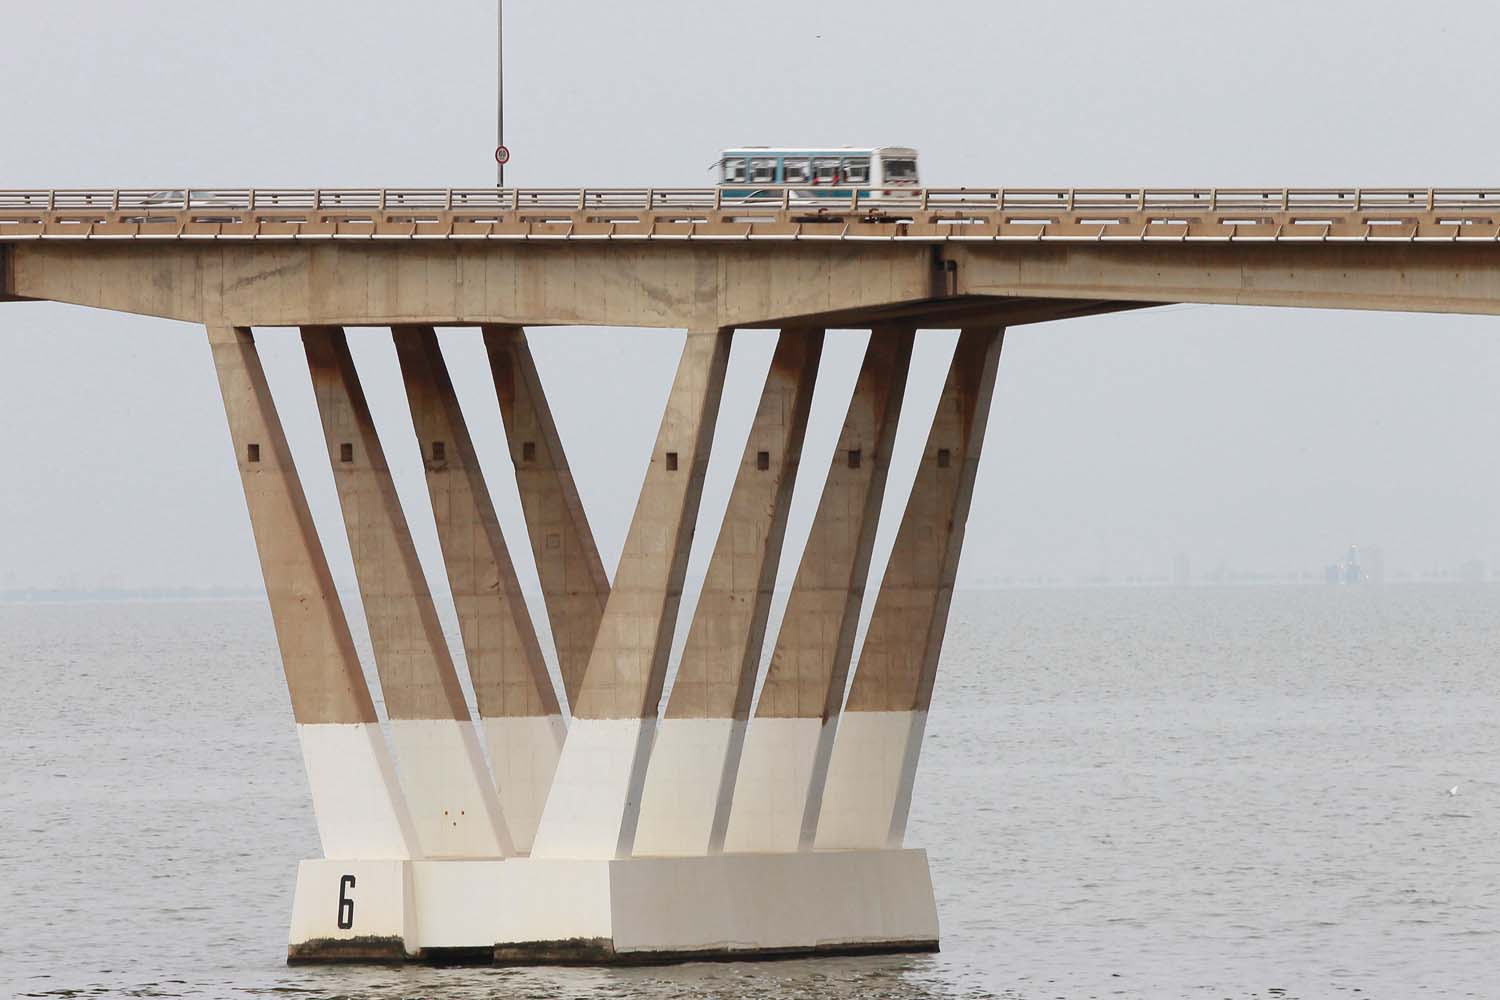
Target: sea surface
point(1207, 792)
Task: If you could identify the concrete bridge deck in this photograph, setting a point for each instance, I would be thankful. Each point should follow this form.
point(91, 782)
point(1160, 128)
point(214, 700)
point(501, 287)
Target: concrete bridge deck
point(698, 259)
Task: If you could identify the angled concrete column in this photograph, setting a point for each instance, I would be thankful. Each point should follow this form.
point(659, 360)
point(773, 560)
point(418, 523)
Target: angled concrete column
point(776, 794)
point(595, 801)
point(874, 763)
point(685, 803)
point(358, 805)
point(453, 802)
point(574, 584)
point(518, 707)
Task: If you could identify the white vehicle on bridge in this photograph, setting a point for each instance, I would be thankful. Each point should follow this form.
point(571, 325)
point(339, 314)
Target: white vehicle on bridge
point(817, 172)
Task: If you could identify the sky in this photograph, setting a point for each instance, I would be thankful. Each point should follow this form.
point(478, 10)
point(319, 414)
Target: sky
point(1251, 440)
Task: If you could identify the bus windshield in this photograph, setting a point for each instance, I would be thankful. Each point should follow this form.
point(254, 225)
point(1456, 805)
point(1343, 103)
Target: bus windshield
point(901, 170)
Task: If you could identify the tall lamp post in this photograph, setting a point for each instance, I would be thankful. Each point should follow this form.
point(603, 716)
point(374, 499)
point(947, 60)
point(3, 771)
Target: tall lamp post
point(500, 93)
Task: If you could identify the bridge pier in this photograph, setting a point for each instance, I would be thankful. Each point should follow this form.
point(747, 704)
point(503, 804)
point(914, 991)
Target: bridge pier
point(639, 831)
point(615, 837)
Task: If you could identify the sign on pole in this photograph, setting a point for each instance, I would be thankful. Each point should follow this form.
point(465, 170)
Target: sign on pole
point(502, 155)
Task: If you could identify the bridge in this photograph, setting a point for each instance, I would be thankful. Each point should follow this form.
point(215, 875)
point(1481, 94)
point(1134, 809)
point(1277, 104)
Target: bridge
point(748, 811)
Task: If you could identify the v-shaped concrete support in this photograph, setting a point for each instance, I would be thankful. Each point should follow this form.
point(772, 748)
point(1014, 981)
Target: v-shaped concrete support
point(690, 783)
point(358, 805)
point(453, 801)
point(874, 764)
point(574, 584)
point(789, 741)
point(518, 706)
point(594, 805)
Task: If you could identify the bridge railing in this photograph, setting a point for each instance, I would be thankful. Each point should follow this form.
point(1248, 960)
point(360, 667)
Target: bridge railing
point(924, 213)
point(1054, 200)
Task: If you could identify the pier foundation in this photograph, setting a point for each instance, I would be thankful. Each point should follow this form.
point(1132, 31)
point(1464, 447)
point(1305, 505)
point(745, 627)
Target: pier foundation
point(628, 910)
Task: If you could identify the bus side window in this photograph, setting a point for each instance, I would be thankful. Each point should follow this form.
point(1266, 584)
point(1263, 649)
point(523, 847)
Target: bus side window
point(762, 171)
point(734, 169)
point(794, 170)
point(826, 170)
point(857, 171)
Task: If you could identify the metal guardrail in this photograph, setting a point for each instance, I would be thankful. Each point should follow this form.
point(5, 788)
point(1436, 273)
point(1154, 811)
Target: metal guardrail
point(797, 212)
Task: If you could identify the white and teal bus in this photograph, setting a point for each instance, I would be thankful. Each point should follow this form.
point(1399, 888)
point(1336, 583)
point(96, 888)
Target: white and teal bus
point(749, 171)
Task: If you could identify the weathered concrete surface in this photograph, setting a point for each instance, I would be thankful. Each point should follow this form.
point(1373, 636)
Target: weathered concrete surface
point(627, 668)
point(1420, 277)
point(451, 795)
point(676, 285)
point(358, 805)
point(703, 285)
point(322, 669)
point(685, 803)
point(870, 776)
point(595, 799)
point(716, 678)
point(512, 689)
point(417, 676)
point(575, 586)
point(789, 740)
point(505, 657)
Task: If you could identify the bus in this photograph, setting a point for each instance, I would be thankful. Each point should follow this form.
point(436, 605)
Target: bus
point(749, 171)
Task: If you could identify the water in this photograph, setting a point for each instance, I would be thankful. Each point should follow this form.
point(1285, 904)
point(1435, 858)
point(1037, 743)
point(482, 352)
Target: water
point(1124, 793)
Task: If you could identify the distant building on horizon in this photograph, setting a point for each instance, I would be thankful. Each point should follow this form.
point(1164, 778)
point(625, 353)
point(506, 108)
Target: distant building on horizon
point(1350, 571)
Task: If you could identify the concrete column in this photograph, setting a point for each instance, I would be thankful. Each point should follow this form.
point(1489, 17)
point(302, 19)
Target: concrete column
point(788, 744)
point(685, 803)
point(358, 805)
point(874, 763)
point(518, 708)
point(574, 584)
point(452, 798)
point(595, 801)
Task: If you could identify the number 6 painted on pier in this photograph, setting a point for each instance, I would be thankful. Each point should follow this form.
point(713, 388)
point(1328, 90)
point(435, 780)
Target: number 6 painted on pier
point(346, 905)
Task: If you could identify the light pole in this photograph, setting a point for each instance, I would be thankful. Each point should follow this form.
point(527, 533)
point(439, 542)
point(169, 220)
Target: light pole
point(500, 92)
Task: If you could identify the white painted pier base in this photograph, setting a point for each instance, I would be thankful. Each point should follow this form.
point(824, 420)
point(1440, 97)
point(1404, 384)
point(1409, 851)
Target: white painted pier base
point(630, 910)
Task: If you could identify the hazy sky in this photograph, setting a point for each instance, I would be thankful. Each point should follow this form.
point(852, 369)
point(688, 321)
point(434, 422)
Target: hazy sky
point(1256, 439)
